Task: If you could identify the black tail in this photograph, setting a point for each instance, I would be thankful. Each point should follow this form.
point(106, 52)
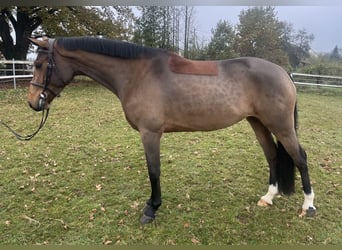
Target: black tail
point(285, 170)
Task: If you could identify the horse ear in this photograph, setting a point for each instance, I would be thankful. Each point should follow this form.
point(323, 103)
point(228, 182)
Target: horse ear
point(40, 43)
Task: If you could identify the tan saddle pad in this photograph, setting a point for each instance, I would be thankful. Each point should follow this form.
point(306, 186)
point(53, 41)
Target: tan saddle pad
point(182, 65)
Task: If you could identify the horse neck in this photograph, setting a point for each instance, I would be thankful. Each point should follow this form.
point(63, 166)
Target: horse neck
point(111, 72)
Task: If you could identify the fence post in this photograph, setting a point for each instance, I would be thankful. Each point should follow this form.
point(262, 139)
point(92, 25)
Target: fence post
point(14, 80)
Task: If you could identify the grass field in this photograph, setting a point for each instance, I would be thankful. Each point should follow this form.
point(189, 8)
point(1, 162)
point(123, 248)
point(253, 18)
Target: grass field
point(82, 180)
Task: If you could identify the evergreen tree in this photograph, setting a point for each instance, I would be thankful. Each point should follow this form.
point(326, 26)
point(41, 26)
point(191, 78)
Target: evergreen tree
point(159, 26)
point(222, 41)
point(335, 54)
point(148, 27)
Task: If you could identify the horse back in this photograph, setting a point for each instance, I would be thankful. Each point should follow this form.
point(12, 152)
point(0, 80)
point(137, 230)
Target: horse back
point(168, 101)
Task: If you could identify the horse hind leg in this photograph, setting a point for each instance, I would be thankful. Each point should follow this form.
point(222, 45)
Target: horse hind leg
point(308, 207)
point(266, 141)
point(293, 149)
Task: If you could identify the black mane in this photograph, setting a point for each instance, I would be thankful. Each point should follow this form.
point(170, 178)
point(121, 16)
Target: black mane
point(106, 47)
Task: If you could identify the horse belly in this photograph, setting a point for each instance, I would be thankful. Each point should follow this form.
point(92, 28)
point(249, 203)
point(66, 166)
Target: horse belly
point(204, 123)
point(207, 110)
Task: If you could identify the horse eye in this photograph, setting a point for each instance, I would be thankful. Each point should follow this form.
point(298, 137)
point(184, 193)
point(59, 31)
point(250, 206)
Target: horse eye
point(38, 65)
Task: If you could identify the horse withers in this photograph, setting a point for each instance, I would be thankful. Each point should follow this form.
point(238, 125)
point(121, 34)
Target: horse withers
point(163, 92)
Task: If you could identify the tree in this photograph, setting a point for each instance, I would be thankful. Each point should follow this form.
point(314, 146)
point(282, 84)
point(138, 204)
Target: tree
point(60, 21)
point(146, 26)
point(335, 54)
point(259, 34)
point(175, 27)
point(159, 26)
point(122, 19)
point(91, 21)
point(153, 27)
point(22, 21)
point(187, 27)
point(222, 41)
point(296, 44)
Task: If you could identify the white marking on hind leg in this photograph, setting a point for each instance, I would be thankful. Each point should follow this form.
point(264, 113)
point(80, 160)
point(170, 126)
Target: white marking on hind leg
point(308, 204)
point(308, 200)
point(267, 198)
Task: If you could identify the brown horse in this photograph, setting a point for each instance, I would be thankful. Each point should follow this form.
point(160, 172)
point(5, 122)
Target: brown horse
point(163, 92)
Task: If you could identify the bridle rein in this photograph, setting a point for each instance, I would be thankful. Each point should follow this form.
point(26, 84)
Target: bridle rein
point(42, 97)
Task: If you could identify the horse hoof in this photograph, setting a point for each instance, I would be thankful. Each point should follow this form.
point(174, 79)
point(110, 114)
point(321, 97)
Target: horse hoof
point(146, 219)
point(263, 203)
point(310, 212)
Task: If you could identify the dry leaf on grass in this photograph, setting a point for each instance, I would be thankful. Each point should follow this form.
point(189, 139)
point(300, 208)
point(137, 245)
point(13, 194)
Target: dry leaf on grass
point(195, 241)
point(108, 242)
point(98, 187)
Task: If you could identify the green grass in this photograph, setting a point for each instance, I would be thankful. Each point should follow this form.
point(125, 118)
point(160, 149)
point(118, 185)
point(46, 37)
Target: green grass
point(82, 180)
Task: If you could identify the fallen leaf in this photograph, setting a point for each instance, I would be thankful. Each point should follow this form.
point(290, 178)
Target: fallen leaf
point(98, 187)
point(170, 242)
point(108, 242)
point(91, 216)
point(195, 241)
point(135, 205)
point(30, 220)
point(248, 209)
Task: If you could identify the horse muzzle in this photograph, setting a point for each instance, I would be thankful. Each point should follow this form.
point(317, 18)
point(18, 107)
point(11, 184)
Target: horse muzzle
point(41, 104)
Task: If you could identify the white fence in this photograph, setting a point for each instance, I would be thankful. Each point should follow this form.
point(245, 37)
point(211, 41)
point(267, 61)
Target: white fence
point(10, 73)
point(317, 80)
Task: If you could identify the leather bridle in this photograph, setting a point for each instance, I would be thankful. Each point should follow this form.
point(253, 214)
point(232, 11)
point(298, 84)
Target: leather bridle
point(47, 79)
point(43, 96)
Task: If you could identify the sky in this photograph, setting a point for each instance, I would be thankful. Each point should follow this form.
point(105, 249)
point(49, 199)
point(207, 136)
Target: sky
point(324, 22)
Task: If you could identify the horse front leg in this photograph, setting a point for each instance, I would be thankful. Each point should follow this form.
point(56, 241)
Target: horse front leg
point(151, 142)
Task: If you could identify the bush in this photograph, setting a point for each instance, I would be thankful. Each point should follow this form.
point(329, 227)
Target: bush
point(322, 66)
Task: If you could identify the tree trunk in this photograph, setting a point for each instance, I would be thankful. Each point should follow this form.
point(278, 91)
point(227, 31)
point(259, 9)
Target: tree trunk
point(23, 25)
point(186, 33)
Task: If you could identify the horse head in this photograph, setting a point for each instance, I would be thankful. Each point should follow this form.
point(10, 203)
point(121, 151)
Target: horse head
point(50, 75)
